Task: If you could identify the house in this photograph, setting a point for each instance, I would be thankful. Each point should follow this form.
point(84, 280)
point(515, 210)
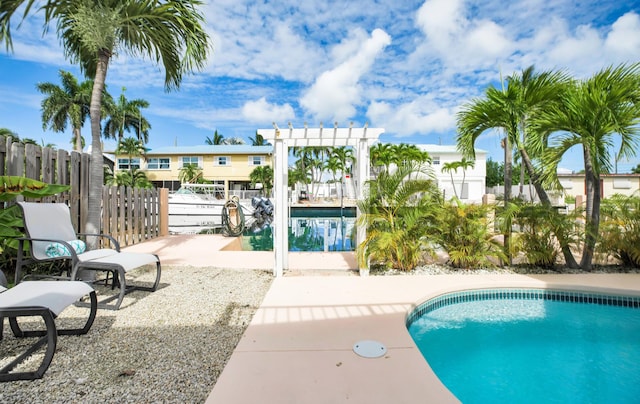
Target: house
point(469, 183)
point(229, 165)
point(624, 184)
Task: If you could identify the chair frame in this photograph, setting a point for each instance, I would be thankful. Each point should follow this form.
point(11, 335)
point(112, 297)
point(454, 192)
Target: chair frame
point(48, 336)
point(103, 263)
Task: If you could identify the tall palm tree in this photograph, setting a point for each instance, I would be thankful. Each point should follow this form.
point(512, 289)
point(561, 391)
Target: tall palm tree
point(126, 115)
point(234, 141)
point(453, 166)
point(66, 104)
point(381, 155)
point(592, 114)
point(170, 32)
point(512, 109)
point(217, 139)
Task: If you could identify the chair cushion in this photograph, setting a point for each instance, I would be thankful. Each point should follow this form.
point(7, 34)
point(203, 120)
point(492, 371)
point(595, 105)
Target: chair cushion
point(54, 295)
point(60, 250)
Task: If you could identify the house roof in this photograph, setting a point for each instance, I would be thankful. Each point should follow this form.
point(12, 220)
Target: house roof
point(211, 149)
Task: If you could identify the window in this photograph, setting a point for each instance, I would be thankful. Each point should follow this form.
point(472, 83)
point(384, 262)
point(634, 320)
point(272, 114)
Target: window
point(158, 163)
point(221, 161)
point(191, 160)
point(125, 164)
point(256, 160)
point(435, 160)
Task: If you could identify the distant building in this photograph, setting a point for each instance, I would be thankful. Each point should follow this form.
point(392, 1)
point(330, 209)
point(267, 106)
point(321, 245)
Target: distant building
point(610, 184)
point(473, 187)
point(229, 165)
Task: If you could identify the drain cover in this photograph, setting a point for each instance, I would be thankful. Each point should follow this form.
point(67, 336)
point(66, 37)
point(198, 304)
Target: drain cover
point(369, 349)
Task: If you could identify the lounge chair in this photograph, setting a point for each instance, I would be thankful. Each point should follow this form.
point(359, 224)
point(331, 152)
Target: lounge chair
point(51, 237)
point(46, 299)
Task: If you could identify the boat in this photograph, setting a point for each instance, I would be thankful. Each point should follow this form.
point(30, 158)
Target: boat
point(196, 207)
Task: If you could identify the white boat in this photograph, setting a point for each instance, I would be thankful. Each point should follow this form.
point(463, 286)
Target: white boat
point(196, 207)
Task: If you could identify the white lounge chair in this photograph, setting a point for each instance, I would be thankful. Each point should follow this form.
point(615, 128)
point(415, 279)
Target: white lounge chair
point(46, 299)
point(51, 236)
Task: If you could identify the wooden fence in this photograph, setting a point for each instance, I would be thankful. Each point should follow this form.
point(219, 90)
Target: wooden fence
point(129, 215)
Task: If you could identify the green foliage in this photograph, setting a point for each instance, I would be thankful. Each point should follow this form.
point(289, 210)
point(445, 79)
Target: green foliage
point(11, 223)
point(463, 231)
point(398, 212)
point(264, 176)
point(539, 225)
point(620, 230)
point(191, 173)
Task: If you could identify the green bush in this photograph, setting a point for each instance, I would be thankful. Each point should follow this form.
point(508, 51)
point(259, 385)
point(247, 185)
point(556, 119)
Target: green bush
point(619, 235)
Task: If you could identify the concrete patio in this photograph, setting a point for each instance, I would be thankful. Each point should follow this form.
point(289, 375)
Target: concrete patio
point(299, 346)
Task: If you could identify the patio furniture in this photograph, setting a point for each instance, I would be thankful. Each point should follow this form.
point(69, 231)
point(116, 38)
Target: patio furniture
point(45, 299)
point(51, 236)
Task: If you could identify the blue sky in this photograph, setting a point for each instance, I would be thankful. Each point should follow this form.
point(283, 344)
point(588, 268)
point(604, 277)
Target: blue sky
point(405, 66)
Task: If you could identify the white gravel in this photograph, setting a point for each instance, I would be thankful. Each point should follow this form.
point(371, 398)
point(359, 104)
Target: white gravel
point(169, 346)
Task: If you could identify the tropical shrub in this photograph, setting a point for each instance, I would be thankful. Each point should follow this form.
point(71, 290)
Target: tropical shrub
point(398, 210)
point(539, 226)
point(619, 235)
point(464, 232)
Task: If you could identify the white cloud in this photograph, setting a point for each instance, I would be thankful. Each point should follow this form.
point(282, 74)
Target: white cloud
point(624, 37)
point(418, 117)
point(336, 92)
point(261, 111)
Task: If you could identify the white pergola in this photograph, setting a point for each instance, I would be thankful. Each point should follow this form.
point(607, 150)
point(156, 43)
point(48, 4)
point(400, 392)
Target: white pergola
point(360, 138)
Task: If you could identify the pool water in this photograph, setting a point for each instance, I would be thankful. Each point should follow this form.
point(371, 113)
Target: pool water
point(307, 234)
point(532, 351)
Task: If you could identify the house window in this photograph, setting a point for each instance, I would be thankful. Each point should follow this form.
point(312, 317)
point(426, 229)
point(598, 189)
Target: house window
point(256, 160)
point(126, 164)
point(191, 161)
point(221, 161)
point(435, 160)
point(158, 164)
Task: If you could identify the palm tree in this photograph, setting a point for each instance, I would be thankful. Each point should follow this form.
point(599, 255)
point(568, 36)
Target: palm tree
point(170, 32)
point(381, 155)
point(217, 139)
point(452, 166)
point(131, 147)
point(512, 110)
point(592, 113)
point(258, 140)
point(234, 141)
point(190, 173)
point(264, 176)
point(126, 115)
point(64, 104)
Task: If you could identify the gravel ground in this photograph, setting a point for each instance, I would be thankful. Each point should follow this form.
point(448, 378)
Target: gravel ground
point(169, 346)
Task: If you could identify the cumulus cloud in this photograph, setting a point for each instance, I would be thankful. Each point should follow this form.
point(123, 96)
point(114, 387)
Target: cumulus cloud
point(624, 37)
point(336, 92)
point(418, 117)
point(261, 111)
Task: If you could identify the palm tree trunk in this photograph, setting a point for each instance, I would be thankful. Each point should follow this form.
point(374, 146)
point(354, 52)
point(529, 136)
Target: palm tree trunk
point(592, 211)
point(508, 171)
point(569, 259)
point(96, 173)
point(77, 140)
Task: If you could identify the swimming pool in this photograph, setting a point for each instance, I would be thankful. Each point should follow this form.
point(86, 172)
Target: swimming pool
point(532, 345)
point(310, 229)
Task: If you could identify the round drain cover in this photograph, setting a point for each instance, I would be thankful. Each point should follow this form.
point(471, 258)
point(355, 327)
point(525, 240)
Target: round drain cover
point(369, 349)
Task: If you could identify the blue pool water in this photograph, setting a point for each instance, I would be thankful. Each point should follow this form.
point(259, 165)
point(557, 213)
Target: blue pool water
point(532, 350)
point(328, 233)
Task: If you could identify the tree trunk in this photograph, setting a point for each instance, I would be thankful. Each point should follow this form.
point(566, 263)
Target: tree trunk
point(96, 174)
point(77, 142)
point(569, 259)
point(508, 171)
point(592, 212)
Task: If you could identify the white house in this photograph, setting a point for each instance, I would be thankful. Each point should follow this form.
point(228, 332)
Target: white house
point(469, 183)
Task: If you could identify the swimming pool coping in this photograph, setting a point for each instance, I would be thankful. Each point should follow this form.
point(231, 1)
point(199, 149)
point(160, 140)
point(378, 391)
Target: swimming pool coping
point(507, 293)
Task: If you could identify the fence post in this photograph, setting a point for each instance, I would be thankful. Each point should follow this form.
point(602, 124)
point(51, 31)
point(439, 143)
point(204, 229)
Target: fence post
point(163, 203)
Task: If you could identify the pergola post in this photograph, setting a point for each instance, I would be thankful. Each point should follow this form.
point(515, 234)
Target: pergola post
point(359, 138)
